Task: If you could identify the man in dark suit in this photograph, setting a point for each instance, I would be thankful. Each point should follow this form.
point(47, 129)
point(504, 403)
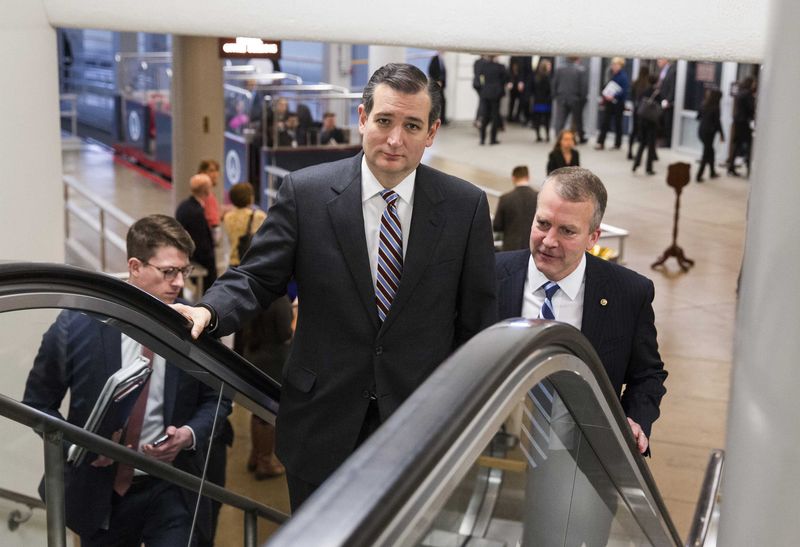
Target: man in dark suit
point(519, 69)
point(394, 268)
point(191, 215)
point(492, 78)
point(610, 304)
point(438, 73)
point(515, 210)
point(665, 92)
point(78, 353)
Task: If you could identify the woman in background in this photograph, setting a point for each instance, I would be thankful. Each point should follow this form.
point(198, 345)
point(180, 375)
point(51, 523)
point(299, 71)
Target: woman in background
point(710, 125)
point(564, 153)
point(542, 99)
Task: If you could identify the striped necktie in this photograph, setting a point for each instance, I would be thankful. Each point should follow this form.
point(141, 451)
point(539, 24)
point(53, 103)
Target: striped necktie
point(390, 255)
point(548, 311)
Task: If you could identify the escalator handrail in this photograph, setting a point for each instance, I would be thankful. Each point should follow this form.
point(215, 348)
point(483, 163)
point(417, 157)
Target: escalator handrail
point(62, 286)
point(372, 487)
point(45, 424)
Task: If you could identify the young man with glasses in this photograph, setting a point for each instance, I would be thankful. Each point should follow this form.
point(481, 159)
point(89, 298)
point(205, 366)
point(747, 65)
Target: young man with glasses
point(78, 353)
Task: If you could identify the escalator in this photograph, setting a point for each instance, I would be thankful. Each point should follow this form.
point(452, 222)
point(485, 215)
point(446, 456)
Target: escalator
point(517, 439)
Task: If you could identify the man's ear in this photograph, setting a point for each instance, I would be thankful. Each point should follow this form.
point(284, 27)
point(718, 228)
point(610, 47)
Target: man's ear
point(134, 266)
point(594, 237)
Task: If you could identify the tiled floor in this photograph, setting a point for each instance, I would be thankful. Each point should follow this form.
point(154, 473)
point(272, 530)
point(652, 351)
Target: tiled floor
point(694, 311)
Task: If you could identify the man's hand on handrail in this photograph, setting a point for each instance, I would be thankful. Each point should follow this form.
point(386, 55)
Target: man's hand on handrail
point(198, 315)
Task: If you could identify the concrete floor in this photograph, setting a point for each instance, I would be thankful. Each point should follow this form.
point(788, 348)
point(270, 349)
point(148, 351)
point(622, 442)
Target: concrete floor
point(695, 311)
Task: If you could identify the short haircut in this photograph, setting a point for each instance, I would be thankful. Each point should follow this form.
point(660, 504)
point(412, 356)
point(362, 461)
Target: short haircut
point(520, 172)
point(406, 79)
point(147, 234)
point(577, 184)
point(199, 184)
point(329, 115)
point(618, 61)
point(241, 194)
point(207, 165)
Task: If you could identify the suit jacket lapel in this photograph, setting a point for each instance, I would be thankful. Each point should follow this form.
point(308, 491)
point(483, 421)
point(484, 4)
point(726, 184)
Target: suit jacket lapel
point(594, 313)
point(171, 375)
point(511, 286)
point(347, 219)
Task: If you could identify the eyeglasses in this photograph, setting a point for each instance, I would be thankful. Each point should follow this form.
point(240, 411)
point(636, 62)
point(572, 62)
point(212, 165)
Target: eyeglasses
point(172, 272)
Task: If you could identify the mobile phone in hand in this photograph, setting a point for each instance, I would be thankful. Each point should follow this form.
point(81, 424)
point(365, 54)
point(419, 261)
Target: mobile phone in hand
point(161, 440)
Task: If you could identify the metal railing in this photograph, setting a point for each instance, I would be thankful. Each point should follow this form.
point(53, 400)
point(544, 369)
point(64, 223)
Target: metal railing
point(97, 221)
point(55, 431)
point(15, 518)
point(707, 504)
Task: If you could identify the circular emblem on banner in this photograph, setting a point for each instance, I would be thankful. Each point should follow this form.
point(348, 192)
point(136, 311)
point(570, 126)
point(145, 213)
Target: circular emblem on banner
point(134, 126)
point(233, 166)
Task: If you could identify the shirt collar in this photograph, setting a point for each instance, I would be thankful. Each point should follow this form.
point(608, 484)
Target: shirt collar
point(370, 187)
point(570, 285)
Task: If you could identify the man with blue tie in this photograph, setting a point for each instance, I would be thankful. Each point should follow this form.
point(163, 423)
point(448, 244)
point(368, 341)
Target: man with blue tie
point(611, 305)
point(394, 266)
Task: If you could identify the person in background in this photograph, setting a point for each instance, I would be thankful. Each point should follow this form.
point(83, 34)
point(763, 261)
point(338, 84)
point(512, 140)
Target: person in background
point(638, 90)
point(211, 204)
point(438, 73)
point(615, 93)
point(563, 153)
point(665, 92)
point(648, 130)
point(519, 70)
point(570, 88)
point(540, 87)
point(330, 134)
point(240, 118)
point(493, 79)
point(515, 211)
point(109, 503)
point(264, 340)
point(191, 214)
point(744, 112)
point(292, 134)
point(710, 125)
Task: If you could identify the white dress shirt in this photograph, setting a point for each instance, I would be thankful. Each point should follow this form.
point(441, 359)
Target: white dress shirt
point(153, 425)
point(373, 205)
point(567, 301)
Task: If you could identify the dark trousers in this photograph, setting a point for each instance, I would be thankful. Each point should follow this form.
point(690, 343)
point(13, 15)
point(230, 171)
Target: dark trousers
point(634, 134)
point(708, 156)
point(742, 143)
point(152, 512)
point(647, 137)
point(573, 107)
point(542, 119)
point(612, 114)
point(490, 110)
point(666, 120)
point(515, 105)
point(300, 490)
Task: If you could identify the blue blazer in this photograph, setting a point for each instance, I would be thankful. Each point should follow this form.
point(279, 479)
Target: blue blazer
point(622, 331)
point(79, 353)
point(341, 352)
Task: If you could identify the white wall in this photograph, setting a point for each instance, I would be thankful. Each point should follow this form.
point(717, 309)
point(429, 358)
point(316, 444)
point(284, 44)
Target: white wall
point(31, 211)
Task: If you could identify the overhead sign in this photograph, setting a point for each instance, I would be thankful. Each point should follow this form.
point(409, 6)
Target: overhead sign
point(249, 48)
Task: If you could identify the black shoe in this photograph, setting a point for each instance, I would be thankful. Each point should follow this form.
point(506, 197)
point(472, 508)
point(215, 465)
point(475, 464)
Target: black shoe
point(655, 158)
point(617, 147)
point(495, 142)
point(714, 176)
point(650, 172)
point(733, 173)
point(699, 179)
point(635, 167)
point(630, 157)
point(483, 143)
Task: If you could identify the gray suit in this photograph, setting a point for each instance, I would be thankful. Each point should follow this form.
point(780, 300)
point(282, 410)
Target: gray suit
point(570, 86)
point(342, 355)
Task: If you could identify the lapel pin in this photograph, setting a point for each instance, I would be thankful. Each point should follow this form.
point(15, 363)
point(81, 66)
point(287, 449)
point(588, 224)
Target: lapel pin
point(603, 302)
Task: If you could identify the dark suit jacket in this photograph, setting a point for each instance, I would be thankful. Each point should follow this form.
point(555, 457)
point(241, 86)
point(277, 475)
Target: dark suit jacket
point(556, 160)
point(493, 78)
point(666, 88)
point(341, 352)
point(191, 216)
point(622, 332)
point(514, 217)
point(78, 354)
point(437, 71)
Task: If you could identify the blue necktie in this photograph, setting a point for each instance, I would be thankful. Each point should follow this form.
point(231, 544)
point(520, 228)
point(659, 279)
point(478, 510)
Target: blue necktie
point(547, 311)
point(390, 255)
